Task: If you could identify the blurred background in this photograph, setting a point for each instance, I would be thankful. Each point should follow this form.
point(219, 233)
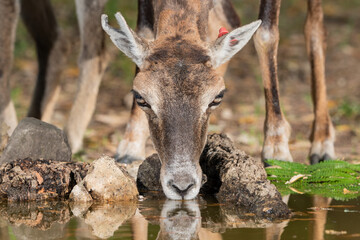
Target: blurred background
point(242, 113)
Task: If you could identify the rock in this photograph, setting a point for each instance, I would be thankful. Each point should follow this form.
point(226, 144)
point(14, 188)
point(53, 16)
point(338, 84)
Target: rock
point(232, 176)
point(27, 179)
point(107, 182)
point(241, 178)
point(147, 178)
point(80, 194)
point(37, 140)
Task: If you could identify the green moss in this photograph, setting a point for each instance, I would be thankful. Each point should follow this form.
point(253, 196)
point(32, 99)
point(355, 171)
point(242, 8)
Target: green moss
point(335, 179)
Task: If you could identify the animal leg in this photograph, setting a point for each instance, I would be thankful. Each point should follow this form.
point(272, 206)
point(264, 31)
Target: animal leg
point(92, 64)
point(323, 134)
point(57, 61)
point(9, 12)
point(132, 146)
point(40, 21)
point(276, 128)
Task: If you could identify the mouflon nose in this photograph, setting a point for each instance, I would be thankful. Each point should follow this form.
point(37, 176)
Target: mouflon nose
point(181, 188)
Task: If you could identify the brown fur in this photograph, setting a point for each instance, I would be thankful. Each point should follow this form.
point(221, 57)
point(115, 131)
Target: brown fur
point(316, 47)
point(178, 61)
point(266, 42)
point(179, 75)
point(276, 128)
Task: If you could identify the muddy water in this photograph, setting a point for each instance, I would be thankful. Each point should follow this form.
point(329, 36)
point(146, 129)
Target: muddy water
point(314, 217)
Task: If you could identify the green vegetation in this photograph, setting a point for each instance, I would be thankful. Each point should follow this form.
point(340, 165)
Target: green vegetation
point(349, 109)
point(335, 179)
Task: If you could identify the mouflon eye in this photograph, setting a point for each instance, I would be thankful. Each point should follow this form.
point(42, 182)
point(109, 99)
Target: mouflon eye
point(140, 100)
point(217, 100)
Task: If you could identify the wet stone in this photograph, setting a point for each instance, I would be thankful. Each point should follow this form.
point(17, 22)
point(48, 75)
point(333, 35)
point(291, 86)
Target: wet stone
point(148, 178)
point(27, 179)
point(80, 194)
point(35, 139)
point(106, 182)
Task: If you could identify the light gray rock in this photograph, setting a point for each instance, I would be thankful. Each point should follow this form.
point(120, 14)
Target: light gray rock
point(80, 194)
point(106, 182)
point(35, 139)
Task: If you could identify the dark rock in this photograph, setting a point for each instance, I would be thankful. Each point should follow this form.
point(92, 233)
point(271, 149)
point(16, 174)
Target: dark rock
point(148, 178)
point(232, 176)
point(101, 181)
point(28, 179)
point(242, 179)
point(37, 140)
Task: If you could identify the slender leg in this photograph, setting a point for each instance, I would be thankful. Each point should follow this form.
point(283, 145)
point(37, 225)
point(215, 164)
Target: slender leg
point(132, 147)
point(9, 12)
point(57, 62)
point(276, 128)
point(92, 63)
point(323, 133)
point(40, 21)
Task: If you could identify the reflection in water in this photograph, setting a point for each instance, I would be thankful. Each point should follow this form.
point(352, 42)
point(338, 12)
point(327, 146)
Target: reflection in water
point(48, 220)
point(314, 218)
point(180, 220)
point(32, 221)
point(321, 205)
point(275, 231)
point(104, 220)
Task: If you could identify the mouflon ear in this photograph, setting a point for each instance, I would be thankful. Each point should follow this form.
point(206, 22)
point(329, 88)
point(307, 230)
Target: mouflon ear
point(226, 46)
point(133, 46)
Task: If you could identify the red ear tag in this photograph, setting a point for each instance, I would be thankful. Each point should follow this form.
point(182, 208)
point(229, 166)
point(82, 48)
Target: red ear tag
point(222, 31)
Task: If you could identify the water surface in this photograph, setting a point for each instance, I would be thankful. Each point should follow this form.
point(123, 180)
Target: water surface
point(314, 217)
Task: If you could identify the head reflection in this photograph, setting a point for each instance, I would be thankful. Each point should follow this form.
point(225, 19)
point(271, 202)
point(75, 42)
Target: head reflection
point(180, 220)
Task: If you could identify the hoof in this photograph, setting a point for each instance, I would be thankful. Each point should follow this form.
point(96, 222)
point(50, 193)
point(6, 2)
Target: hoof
point(127, 159)
point(316, 158)
point(266, 164)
